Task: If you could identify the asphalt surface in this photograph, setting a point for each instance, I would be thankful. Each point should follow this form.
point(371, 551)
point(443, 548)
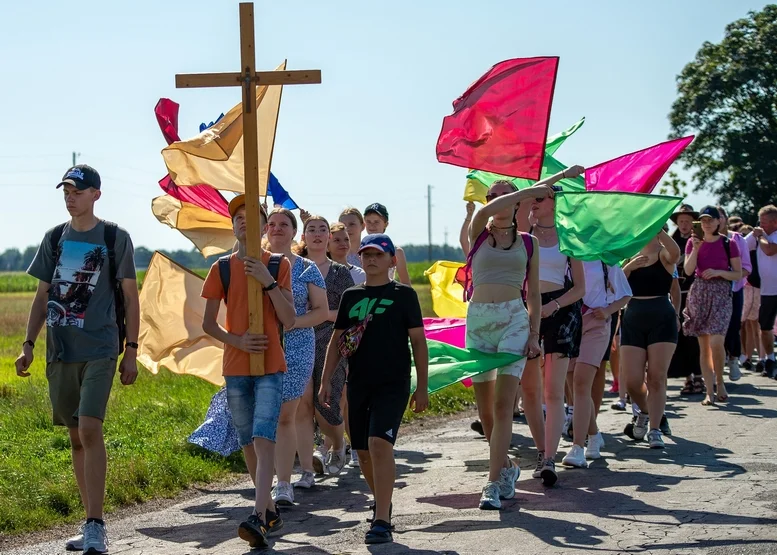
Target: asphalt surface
point(712, 490)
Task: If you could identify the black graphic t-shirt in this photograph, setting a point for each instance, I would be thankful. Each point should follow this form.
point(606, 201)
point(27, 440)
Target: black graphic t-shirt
point(383, 355)
point(80, 314)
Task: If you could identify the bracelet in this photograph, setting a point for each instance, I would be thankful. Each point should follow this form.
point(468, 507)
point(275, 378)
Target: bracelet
point(131, 345)
point(30, 342)
point(532, 332)
point(272, 286)
point(564, 174)
point(557, 304)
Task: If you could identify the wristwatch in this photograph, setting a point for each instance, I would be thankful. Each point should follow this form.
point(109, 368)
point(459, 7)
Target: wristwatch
point(131, 345)
point(272, 286)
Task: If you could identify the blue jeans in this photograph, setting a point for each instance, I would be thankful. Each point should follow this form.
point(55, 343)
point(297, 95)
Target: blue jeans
point(255, 404)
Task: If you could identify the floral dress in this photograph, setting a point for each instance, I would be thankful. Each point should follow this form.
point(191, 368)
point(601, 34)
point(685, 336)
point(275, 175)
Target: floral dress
point(300, 344)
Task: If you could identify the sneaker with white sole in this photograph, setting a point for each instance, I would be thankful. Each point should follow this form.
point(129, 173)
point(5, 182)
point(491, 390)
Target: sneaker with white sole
point(619, 405)
point(641, 426)
point(95, 538)
point(548, 473)
point(319, 460)
point(283, 494)
point(335, 461)
point(507, 479)
point(575, 458)
point(593, 450)
point(76, 543)
point(489, 500)
point(354, 459)
point(655, 439)
point(538, 469)
point(734, 373)
point(306, 481)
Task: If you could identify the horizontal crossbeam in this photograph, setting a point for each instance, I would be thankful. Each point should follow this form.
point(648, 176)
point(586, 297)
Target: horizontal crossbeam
point(294, 77)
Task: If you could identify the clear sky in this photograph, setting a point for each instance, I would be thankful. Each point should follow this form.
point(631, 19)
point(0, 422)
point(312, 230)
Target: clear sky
point(85, 75)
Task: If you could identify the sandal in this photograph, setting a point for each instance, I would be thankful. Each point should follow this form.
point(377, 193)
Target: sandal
point(722, 398)
point(688, 388)
point(380, 532)
point(707, 403)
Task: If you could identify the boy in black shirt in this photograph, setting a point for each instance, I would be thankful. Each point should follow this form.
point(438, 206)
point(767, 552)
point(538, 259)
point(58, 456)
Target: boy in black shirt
point(375, 321)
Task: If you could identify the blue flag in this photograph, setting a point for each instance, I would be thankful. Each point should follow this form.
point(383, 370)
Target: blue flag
point(279, 195)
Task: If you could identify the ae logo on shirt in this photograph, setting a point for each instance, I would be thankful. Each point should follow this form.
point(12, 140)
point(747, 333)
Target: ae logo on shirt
point(365, 306)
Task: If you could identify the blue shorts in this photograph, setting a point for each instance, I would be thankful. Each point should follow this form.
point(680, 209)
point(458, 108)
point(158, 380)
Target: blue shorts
point(255, 404)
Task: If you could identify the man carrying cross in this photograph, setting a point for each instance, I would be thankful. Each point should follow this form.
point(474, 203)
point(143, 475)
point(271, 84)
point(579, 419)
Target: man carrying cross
point(257, 293)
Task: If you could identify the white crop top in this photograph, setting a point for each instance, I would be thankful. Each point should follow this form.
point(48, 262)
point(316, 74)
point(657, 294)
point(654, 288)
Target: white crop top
point(553, 265)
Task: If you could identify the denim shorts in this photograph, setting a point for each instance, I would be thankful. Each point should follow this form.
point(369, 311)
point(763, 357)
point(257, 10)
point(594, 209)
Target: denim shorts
point(255, 404)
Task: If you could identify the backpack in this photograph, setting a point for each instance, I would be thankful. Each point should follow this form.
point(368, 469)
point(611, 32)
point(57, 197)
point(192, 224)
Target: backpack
point(273, 266)
point(464, 274)
point(109, 237)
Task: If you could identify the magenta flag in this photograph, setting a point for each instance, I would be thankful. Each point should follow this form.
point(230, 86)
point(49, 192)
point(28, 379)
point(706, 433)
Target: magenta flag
point(500, 123)
point(638, 172)
point(452, 331)
point(203, 196)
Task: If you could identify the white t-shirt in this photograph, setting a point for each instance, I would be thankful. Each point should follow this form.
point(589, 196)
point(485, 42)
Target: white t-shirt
point(358, 275)
point(767, 265)
point(596, 296)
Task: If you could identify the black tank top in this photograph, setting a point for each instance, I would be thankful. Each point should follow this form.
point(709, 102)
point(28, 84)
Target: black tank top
point(651, 281)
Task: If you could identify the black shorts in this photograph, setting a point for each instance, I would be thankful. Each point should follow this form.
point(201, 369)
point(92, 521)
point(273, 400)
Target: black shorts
point(562, 332)
point(648, 321)
point(376, 411)
point(768, 312)
point(615, 319)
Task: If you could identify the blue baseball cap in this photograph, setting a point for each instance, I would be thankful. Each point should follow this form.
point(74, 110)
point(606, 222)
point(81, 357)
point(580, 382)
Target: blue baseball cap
point(81, 177)
point(379, 241)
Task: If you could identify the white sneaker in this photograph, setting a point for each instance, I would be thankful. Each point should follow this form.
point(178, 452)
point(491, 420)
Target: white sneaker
point(76, 543)
point(489, 500)
point(354, 459)
point(306, 481)
point(95, 538)
point(335, 461)
point(734, 373)
point(575, 457)
point(594, 449)
point(283, 494)
point(507, 479)
point(318, 460)
point(641, 426)
point(538, 469)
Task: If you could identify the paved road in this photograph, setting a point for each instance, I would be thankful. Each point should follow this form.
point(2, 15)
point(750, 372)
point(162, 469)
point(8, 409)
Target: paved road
point(712, 491)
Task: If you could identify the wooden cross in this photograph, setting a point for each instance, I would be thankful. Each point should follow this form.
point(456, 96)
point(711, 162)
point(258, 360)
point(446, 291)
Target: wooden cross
point(248, 79)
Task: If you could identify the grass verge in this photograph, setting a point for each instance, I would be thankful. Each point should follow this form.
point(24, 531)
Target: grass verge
point(146, 430)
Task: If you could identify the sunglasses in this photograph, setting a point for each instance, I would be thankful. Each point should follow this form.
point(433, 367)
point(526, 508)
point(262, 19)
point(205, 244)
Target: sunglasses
point(492, 196)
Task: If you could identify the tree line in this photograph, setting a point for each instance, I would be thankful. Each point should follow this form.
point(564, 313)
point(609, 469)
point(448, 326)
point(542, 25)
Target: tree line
point(15, 260)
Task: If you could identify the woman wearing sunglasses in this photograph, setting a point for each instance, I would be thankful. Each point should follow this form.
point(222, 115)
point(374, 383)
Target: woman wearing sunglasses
point(560, 332)
point(498, 321)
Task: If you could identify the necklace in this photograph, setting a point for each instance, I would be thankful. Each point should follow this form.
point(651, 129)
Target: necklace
point(494, 226)
point(545, 226)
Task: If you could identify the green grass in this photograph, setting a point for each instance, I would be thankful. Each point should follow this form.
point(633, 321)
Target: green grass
point(17, 282)
point(145, 430)
point(416, 271)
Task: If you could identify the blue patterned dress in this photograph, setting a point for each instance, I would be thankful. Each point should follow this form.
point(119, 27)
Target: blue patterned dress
point(301, 343)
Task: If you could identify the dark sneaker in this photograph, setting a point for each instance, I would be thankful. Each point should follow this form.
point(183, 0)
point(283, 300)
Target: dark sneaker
point(373, 508)
point(274, 522)
point(253, 531)
point(379, 532)
point(759, 367)
point(747, 365)
point(629, 429)
point(477, 426)
point(768, 368)
point(548, 474)
point(664, 427)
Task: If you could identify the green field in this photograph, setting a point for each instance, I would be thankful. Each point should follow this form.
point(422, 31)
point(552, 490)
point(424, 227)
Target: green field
point(146, 432)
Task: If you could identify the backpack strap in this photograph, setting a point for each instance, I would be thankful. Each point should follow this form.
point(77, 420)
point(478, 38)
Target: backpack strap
point(56, 236)
point(274, 265)
point(225, 273)
point(528, 244)
point(606, 272)
point(109, 236)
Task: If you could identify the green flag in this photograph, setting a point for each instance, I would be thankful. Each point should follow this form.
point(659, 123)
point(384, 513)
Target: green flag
point(478, 181)
point(609, 226)
point(449, 364)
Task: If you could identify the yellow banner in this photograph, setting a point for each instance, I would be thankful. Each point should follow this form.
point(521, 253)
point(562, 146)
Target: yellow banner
point(447, 295)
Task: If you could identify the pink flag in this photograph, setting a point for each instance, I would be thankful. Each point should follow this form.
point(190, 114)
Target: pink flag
point(500, 123)
point(452, 331)
point(638, 172)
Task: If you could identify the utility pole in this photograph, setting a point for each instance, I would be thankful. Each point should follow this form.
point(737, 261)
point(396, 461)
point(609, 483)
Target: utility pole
point(429, 217)
point(75, 156)
point(446, 236)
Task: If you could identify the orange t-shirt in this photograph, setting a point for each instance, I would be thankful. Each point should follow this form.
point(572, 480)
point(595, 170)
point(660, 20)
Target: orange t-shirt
point(236, 362)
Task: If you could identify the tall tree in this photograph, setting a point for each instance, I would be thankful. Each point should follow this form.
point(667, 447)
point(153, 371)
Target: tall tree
point(727, 97)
